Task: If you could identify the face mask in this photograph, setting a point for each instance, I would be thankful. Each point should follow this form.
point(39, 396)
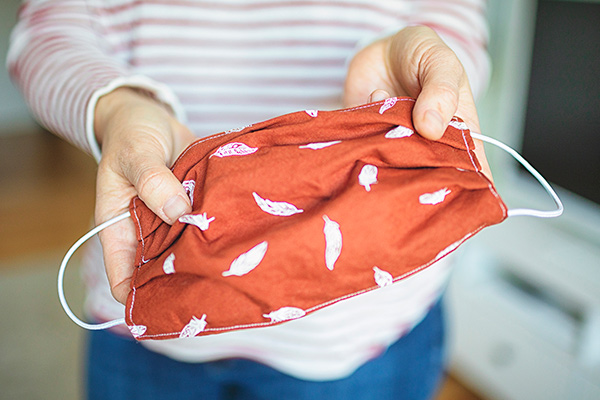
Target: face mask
point(302, 211)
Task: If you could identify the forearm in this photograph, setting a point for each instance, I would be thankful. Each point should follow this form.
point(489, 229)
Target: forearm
point(125, 100)
point(58, 61)
point(63, 63)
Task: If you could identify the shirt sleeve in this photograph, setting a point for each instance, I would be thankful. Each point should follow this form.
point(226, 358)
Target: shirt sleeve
point(60, 61)
point(462, 24)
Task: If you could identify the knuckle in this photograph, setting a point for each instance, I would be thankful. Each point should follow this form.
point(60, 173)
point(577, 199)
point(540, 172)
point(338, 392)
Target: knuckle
point(447, 93)
point(439, 54)
point(151, 179)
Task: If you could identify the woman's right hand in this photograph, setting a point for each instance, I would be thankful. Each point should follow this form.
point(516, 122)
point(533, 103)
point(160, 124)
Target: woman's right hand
point(140, 139)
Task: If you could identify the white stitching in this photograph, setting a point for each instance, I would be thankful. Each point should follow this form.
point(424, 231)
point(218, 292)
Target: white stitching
point(330, 302)
point(139, 224)
point(490, 186)
point(333, 301)
point(374, 104)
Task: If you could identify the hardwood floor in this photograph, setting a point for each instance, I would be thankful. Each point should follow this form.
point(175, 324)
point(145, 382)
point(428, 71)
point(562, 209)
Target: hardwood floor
point(47, 201)
point(46, 194)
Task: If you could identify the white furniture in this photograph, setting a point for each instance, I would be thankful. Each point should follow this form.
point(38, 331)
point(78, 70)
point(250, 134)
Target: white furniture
point(524, 302)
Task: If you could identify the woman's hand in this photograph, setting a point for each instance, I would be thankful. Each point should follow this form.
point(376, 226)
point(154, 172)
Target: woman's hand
point(139, 138)
point(416, 62)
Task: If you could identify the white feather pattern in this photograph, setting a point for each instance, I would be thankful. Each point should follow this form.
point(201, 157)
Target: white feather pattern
point(137, 330)
point(279, 208)
point(194, 327)
point(387, 104)
point(189, 187)
point(312, 113)
point(458, 125)
point(382, 278)
point(169, 264)
point(368, 176)
point(199, 220)
point(435, 197)
point(333, 242)
point(399, 132)
point(234, 149)
point(247, 261)
point(319, 145)
point(285, 314)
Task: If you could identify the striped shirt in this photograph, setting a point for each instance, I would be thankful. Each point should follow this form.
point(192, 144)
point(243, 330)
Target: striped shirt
point(223, 64)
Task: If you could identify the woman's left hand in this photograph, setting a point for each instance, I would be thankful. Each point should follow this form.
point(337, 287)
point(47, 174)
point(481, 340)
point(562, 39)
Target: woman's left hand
point(415, 62)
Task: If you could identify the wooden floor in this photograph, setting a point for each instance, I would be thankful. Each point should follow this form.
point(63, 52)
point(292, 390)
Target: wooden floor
point(46, 194)
point(47, 201)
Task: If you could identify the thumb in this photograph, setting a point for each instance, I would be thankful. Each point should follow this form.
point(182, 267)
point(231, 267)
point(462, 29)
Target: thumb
point(442, 78)
point(159, 189)
point(116, 184)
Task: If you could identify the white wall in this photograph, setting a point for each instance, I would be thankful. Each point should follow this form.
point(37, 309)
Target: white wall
point(14, 114)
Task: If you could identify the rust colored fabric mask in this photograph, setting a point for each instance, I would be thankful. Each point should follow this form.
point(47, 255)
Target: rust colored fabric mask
point(299, 212)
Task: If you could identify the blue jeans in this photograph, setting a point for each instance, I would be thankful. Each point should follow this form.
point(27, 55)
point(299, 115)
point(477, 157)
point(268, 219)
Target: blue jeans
point(119, 368)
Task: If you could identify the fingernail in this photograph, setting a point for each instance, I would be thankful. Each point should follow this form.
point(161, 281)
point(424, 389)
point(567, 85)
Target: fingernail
point(379, 95)
point(435, 121)
point(175, 207)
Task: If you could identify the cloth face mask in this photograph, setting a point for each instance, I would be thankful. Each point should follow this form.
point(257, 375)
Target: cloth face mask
point(302, 211)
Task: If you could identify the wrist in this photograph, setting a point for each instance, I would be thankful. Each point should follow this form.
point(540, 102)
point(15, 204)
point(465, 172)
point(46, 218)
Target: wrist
point(122, 99)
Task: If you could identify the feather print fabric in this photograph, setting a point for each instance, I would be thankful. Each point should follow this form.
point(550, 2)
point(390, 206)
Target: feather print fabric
point(300, 212)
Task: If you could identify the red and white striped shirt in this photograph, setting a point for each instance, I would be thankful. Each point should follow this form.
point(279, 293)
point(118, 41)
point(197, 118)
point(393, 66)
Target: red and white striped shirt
point(223, 64)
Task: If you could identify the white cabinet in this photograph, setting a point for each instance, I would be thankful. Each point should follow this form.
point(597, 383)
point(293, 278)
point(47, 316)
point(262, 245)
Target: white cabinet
point(524, 301)
point(524, 313)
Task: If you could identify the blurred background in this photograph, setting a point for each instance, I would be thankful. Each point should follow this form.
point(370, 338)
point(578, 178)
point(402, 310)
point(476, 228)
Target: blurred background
point(525, 297)
point(46, 203)
point(524, 302)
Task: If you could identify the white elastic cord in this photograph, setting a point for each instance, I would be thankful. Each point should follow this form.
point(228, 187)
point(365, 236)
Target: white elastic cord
point(526, 211)
point(511, 213)
point(61, 276)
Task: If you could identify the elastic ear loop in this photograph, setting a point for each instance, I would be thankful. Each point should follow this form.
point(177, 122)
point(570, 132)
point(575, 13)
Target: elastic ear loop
point(61, 275)
point(511, 213)
point(526, 211)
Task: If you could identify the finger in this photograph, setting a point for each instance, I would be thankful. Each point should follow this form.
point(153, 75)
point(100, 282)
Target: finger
point(140, 171)
point(158, 188)
point(442, 77)
point(366, 74)
point(119, 241)
point(378, 95)
point(119, 246)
